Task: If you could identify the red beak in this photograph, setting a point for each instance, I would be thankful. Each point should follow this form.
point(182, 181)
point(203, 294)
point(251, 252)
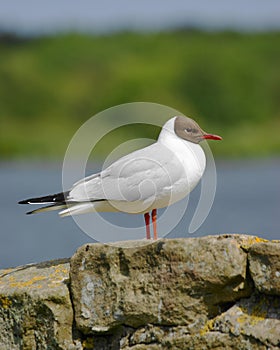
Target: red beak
point(211, 137)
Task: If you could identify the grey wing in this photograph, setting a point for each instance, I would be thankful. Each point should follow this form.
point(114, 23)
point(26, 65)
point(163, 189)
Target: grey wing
point(139, 175)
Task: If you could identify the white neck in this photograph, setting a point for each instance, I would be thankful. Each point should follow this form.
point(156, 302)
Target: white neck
point(190, 154)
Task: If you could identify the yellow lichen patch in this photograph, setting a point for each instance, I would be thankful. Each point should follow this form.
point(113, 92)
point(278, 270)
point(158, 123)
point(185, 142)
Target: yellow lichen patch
point(250, 240)
point(258, 240)
point(62, 269)
point(59, 275)
point(60, 272)
point(256, 315)
point(5, 302)
point(250, 319)
point(259, 310)
point(208, 327)
point(32, 282)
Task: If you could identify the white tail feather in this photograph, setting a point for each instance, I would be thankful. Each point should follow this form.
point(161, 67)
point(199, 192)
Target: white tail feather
point(80, 208)
point(49, 208)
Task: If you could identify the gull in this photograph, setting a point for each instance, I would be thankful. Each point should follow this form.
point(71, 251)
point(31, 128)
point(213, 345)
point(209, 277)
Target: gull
point(141, 182)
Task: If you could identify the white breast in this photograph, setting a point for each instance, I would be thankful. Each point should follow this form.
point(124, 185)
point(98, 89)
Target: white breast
point(190, 155)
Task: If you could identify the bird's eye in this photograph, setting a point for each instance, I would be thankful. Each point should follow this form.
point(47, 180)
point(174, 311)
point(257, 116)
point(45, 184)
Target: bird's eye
point(188, 130)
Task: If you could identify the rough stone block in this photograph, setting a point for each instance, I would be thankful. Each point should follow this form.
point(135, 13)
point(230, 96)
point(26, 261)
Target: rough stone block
point(264, 265)
point(167, 282)
point(257, 317)
point(35, 307)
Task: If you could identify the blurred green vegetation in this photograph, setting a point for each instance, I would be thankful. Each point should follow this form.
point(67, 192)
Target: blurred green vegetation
point(228, 82)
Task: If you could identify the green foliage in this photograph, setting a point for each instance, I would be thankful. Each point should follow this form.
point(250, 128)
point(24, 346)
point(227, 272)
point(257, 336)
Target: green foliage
point(229, 83)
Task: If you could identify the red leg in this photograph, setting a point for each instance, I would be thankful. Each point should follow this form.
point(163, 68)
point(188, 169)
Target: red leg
point(147, 222)
point(154, 219)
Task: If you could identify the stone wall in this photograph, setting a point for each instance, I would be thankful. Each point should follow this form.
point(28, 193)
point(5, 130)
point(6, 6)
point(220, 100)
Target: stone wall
point(215, 292)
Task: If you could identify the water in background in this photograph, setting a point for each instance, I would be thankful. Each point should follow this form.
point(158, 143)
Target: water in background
point(247, 201)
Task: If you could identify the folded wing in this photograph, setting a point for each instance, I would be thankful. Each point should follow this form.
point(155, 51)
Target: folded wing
point(124, 180)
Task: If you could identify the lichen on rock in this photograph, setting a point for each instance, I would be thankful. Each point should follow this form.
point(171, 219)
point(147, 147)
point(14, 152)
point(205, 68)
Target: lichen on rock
point(215, 292)
point(35, 307)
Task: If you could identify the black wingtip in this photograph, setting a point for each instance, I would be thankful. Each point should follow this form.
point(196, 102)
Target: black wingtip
point(53, 198)
point(23, 202)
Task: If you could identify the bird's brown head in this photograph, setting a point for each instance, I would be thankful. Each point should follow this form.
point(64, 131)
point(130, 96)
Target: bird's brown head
point(188, 129)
